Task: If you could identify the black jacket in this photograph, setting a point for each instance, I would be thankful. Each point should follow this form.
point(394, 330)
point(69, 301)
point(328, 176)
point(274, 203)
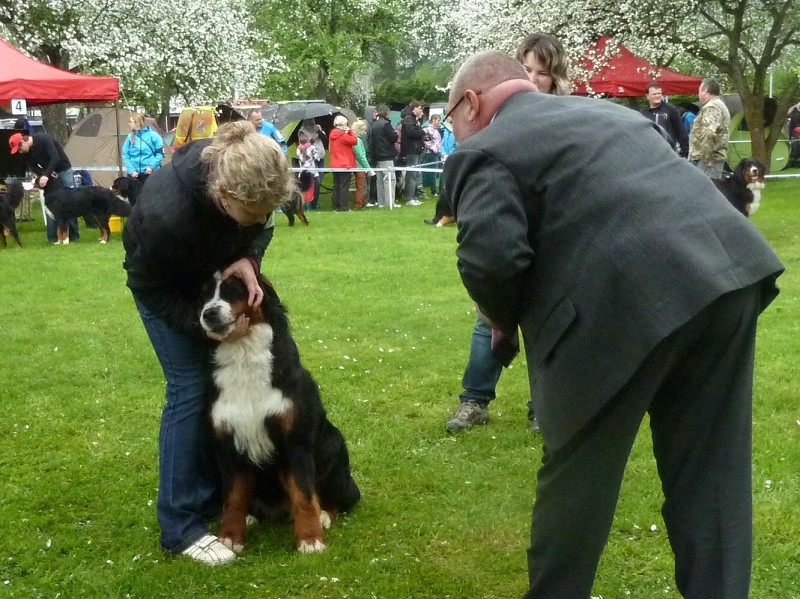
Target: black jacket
point(382, 139)
point(412, 135)
point(176, 238)
point(668, 118)
point(46, 156)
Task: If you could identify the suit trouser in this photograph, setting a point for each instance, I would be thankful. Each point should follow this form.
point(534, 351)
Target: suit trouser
point(697, 388)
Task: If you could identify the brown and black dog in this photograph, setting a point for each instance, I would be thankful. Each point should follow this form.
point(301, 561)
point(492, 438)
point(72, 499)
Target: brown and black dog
point(9, 201)
point(278, 451)
point(90, 202)
point(743, 188)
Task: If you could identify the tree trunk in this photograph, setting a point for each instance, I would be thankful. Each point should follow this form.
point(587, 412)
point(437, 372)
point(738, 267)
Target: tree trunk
point(54, 118)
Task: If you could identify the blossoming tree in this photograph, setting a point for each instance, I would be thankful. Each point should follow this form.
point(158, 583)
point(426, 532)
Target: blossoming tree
point(738, 40)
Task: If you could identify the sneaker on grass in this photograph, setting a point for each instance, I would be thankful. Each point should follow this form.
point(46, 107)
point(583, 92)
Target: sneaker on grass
point(209, 550)
point(467, 414)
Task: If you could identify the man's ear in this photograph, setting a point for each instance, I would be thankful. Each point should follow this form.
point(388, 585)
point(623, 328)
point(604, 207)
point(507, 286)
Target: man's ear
point(473, 101)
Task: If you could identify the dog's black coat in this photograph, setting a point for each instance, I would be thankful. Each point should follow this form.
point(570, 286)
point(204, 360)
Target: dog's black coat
point(127, 187)
point(294, 206)
point(307, 446)
point(90, 202)
point(737, 188)
point(9, 201)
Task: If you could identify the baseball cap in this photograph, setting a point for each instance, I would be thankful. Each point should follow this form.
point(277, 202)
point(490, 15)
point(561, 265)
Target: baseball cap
point(14, 141)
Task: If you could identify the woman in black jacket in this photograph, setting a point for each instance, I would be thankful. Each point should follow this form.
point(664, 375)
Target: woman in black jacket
point(210, 209)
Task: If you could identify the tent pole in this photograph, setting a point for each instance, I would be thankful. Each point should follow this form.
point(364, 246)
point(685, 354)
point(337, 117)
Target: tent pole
point(119, 150)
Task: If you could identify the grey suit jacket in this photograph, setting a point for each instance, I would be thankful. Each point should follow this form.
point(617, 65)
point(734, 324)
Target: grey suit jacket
point(580, 225)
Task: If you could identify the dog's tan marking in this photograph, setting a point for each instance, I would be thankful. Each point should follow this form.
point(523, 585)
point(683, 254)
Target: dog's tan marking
point(233, 528)
point(286, 420)
point(62, 233)
point(306, 515)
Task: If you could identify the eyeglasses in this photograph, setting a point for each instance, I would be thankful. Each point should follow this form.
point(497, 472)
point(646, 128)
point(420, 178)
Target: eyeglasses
point(457, 104)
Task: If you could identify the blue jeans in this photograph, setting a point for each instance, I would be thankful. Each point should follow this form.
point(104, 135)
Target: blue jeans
point(483, 370)
point(189, 481)
point(67, 179)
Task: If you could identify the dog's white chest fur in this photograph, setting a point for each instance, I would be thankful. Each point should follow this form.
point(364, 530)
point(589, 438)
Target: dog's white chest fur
point(756, 189)
point(243, 375)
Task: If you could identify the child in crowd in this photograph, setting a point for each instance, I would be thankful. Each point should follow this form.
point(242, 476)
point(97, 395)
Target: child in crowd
point(307, 157)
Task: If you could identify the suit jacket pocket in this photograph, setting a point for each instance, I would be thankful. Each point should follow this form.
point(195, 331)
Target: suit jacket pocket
point(553, 329)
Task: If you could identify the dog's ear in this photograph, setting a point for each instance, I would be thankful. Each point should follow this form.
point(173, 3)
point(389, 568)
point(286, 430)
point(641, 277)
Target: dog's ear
point(267, 287)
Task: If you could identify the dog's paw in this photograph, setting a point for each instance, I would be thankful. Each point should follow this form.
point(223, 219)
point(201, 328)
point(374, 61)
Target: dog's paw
point(325, 519)
point(316, 546)
point(237, 548)
point(103, 241)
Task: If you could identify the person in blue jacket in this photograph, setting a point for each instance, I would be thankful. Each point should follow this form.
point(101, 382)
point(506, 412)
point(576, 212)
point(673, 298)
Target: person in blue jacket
point(267, 128)
point(143, 150)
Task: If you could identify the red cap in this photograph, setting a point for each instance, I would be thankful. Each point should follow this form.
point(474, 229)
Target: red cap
point(14, 141)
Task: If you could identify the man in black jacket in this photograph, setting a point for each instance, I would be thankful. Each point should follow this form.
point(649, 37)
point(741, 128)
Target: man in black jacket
point(382, 139)
point(666, 116)
point(412, 145)
point(45, 157)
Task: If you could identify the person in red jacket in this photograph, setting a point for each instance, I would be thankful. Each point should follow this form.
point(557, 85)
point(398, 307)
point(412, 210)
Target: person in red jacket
point(342, 140)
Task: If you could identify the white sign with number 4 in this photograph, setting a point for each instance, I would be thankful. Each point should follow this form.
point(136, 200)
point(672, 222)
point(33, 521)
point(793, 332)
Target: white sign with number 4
point(19, 106)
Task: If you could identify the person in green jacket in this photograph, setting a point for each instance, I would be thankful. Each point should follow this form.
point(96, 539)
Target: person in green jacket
point(362, 179)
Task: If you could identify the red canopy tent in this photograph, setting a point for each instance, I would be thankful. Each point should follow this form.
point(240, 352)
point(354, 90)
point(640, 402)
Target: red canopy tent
point(25, 78)
point(37, 83)
point(623, 74)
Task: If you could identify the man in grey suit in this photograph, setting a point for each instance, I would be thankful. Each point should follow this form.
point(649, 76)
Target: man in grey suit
point(637, 288)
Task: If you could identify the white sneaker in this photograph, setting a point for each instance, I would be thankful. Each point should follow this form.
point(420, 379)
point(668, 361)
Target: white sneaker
point(413, 203)
point(209, 550)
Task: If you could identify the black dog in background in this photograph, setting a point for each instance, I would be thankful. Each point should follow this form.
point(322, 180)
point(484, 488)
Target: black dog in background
point(743, 188)
point(9, 201)
point(127, 188)
point(97, 203)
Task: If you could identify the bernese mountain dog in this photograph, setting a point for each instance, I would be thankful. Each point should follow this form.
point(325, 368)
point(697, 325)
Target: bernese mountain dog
point(279, 453)
point(294, 204)
point(9, 201)
point(743, 188)
point(128, 188)
point(96, 204)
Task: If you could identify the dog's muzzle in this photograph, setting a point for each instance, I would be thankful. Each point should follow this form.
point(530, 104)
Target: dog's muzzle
point(216, 317)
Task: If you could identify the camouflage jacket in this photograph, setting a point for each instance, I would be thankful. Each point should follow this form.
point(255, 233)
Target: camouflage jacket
point(708, 140)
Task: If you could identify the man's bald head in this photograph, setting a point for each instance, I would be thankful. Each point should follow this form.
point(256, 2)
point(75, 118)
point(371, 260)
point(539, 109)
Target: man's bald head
point(486, 70)
point(480, 87)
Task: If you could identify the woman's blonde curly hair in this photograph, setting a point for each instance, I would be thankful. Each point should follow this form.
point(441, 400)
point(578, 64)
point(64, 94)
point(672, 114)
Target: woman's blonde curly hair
point(247, 166)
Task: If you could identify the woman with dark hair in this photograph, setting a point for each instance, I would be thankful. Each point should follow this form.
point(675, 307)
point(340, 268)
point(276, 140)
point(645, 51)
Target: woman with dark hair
point(545, 61)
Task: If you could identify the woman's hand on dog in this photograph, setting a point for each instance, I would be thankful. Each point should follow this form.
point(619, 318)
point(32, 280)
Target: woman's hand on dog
point(244, 269)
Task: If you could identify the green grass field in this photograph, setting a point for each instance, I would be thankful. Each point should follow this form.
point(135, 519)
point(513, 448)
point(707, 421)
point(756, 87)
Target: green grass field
point(383, 324)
